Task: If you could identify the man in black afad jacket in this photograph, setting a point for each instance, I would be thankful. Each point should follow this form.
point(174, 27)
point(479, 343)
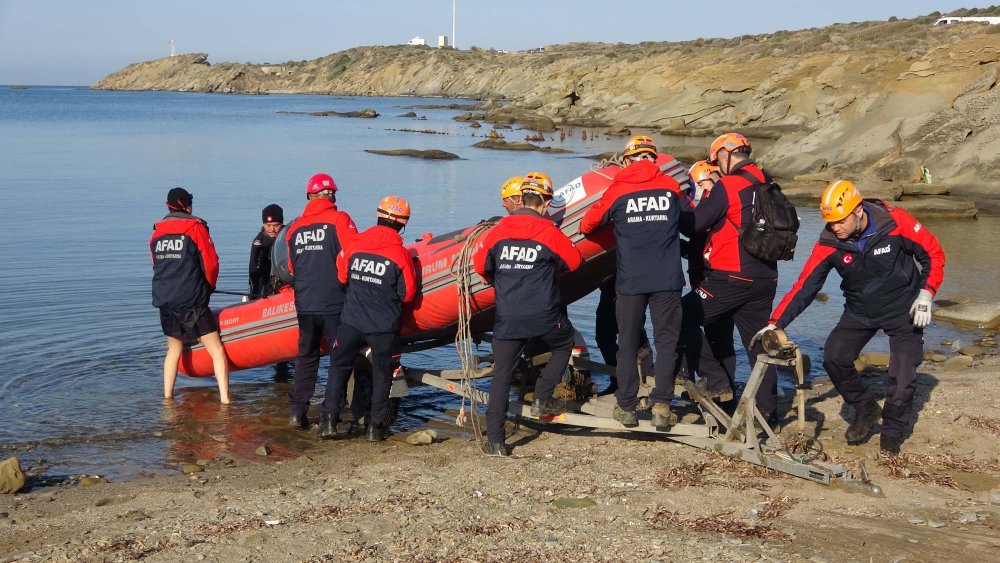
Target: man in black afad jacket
point(185, 269)
point(273, 218)
point(643, 205)
point(876, 249)
point(380, 278)
point(314, 240)
point(521, 257)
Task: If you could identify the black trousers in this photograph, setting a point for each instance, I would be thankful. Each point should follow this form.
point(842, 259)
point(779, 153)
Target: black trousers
point(906, 351)
point(665, 311)
point(505, 354)
point(718, 336)
point(720, 302)
point(312, 330)
point(385, 349)
point(606, 328)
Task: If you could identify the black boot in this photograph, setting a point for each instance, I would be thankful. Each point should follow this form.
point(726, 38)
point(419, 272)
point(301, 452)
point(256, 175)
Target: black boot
point(495, 450)
point(300, 421)
point(865, 417)
point(552, 406)
point(328, 427)
point(377, 433)
point(889, 444)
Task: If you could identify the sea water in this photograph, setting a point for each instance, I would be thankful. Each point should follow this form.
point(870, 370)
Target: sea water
point(84, 177)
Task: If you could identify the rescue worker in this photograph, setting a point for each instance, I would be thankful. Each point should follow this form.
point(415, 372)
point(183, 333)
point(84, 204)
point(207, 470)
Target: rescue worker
point(273, 218)
point(644, 206)
point(185, 269)
point(510, 194)
point(521, 257)
point(876, 249)
point(703, 177)
point(314, 240)
point(738, 287)
point(380, 277)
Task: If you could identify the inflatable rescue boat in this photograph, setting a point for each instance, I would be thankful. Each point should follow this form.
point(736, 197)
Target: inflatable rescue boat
point(265, 331)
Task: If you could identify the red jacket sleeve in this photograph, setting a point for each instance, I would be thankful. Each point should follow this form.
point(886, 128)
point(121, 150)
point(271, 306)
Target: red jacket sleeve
point(925, 248)
point(347, 231)
point(479, 259)
point(810, 281)
point(409, 274)
point(566, 250)
point(597, 216)
point(209, 259)
point(343, 259)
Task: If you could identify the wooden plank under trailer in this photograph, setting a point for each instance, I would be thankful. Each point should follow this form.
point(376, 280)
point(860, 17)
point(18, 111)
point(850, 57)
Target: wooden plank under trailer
point(733, 436)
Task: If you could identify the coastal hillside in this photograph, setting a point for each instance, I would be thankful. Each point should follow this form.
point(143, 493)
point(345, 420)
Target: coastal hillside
point(874, 100)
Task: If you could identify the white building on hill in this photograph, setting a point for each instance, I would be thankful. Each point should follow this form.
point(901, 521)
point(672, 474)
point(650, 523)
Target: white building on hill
point(417, 41)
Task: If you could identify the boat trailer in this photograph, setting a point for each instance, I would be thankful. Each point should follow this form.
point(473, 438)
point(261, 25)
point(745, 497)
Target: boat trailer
point(744, 435)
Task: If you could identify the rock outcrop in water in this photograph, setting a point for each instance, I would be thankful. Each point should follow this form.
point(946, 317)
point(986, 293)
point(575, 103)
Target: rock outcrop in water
point(875, 101)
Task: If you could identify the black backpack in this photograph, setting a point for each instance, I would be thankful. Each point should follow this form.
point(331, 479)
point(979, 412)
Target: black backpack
point(772, 234)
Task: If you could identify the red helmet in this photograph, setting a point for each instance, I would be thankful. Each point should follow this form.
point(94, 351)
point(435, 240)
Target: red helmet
point(394, 208)
point(320, 183)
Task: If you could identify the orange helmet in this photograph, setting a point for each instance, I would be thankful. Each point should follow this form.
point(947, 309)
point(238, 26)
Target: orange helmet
point(320, 183)
point(537, 182)
point(640, 144)
point(730, 142)
point(840, 198)
point(511, 188)
point(394, 208)
point(702, 170)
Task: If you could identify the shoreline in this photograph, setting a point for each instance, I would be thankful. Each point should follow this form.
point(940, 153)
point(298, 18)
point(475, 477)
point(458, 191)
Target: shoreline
point(582, 495)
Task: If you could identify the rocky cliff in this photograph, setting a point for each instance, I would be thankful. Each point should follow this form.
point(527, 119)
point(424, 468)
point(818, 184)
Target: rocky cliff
point(875, 100)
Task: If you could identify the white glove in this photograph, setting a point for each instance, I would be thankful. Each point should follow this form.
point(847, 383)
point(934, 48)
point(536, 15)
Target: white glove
point(760, 334)
point(921, 309)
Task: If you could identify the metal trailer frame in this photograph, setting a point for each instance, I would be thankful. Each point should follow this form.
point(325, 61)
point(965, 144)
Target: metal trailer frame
point(733, 436)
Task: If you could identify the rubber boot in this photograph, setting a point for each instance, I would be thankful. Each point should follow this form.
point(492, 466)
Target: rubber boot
point(495, 450)
point(328, 427)
point(377, 433)
point(299, 421)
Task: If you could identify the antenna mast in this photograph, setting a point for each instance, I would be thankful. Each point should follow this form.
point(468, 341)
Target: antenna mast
point(173, 50)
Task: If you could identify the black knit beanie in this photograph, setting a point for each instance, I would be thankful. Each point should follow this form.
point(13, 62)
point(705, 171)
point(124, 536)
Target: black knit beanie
point(178, 199)
point(272, 214)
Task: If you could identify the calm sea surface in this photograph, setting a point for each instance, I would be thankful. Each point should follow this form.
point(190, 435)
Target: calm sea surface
point(83, 177)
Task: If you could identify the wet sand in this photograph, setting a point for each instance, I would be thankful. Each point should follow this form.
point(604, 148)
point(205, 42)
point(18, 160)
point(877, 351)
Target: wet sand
point(565, 495)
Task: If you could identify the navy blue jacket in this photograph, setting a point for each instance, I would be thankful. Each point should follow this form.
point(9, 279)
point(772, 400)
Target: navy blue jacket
point(521, 257)
point(645, 206)
point(880, 281)
point(380, 277)
point(185, 265)
point(314, 240)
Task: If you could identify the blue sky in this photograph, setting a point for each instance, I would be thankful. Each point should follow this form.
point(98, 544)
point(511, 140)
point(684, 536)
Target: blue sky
point(76, 42)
